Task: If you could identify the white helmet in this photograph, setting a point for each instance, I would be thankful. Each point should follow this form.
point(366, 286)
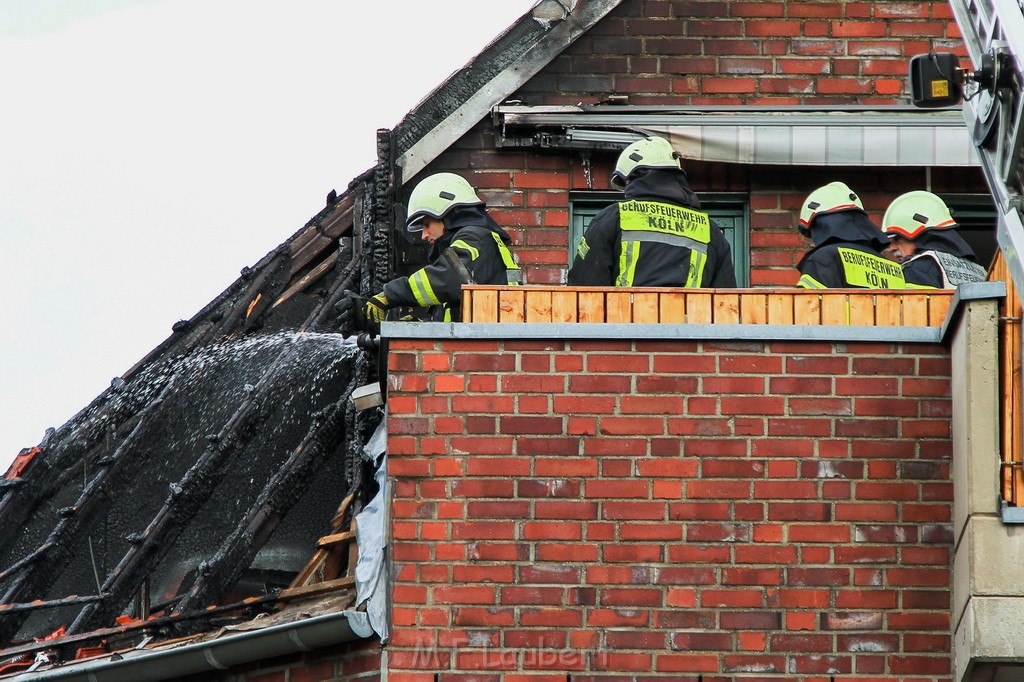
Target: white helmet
point(650, 152)
point(912, 213)
point(436, 195)
point(830, 198)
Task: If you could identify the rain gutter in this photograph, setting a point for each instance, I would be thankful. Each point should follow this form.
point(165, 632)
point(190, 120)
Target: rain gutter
point(217, 654)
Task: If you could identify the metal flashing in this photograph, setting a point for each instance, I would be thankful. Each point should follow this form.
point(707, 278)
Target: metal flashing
point(658, 332)
point(1010, 515)
point(970, 291)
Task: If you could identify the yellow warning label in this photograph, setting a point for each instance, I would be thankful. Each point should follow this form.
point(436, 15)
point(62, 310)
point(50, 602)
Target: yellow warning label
point(940, 88)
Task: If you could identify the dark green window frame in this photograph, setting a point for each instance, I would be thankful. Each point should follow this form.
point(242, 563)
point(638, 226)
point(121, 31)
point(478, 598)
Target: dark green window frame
point(976, 217)
point(730, 212)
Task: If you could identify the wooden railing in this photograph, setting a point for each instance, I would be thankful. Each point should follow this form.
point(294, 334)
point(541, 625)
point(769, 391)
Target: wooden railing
point(1010, 379)
point(704, 306)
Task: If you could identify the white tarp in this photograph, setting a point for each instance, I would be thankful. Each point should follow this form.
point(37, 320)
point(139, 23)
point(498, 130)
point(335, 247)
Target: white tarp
point(371, 535)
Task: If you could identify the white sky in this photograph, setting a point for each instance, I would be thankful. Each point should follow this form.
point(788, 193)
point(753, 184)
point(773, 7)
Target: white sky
point(150, 149)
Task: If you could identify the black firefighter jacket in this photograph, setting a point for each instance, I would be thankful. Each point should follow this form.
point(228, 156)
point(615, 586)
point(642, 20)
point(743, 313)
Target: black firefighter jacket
point(657, 237)
point(483, 249)
point(942, 260)
point(847, 253)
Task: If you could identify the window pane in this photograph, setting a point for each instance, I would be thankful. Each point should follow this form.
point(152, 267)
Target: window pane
point(728, 213)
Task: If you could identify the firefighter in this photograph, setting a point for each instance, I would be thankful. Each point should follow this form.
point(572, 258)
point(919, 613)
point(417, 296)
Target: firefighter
point(468, 248)
point(657, 236)
point(927, 245)
point(847, 246)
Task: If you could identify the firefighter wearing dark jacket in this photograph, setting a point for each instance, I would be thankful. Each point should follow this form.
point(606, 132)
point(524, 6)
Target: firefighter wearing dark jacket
point(468, 247)
point(658, 236)
point(926, 243)
point(847, 250)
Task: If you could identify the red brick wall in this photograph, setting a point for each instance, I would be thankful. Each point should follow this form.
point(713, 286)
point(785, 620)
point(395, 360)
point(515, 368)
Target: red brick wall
point(714, 52)
point(720, 52)
point(589, 510)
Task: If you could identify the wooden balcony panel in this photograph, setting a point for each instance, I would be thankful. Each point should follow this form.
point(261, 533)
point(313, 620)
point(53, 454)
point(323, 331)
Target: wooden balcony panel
point(672, 307)
point(591, 307)
point(512, 305)
point(539, 304)
point(889, 311)
point(726, 308)
point(779, 308)
point(807, 308)
point(754, 308)
point(618, 306)
point(539, 307)
point(698, 308)
point(564, 306)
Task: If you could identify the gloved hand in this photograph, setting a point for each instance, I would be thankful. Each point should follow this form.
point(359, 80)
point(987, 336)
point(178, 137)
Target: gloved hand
point(376, 308)
point(350, 313)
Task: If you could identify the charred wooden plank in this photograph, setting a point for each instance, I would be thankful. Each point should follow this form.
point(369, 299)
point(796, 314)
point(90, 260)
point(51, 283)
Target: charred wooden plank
point(35, 574)
point(197, 484)
point(280, 493)
point(348, 582)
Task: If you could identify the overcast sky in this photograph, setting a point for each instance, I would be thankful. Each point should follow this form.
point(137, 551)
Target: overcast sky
point(150, 149)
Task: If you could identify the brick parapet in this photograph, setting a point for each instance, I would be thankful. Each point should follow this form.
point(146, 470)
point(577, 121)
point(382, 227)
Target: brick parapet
point(658, 510)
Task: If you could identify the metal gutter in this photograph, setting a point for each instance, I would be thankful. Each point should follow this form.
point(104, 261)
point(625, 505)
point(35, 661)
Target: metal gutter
point(217, 654)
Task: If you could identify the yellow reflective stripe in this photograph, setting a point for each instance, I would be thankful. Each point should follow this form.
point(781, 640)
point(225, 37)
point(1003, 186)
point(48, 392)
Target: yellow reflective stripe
point(870, 271)
point(696, 273)
point(654, 216)
point(506, 255)
point(628, 258)
point(808, 282)
point(447, 314)
point(474, 252)
point(583, 248)
point(419, 283)
point(911, 285)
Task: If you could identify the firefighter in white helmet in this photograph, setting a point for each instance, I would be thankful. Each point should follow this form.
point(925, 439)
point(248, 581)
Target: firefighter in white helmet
point(927, 245)
point(658, 236)
point(469, 247)
point(847, 246)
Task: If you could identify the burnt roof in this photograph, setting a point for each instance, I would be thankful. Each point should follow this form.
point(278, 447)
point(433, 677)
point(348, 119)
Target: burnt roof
point(206, 473)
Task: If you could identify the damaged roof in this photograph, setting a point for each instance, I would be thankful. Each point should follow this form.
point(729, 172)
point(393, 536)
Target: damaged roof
point(199, 484)
point(217, 478)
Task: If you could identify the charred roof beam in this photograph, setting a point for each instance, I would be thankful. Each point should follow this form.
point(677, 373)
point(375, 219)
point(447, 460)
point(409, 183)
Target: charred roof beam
point(35, 574)
point(216, 577)
point(197, 484)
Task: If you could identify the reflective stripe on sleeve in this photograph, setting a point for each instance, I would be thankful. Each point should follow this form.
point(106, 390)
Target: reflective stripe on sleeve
point(422, 290)
point(513, 274)
point(808, 282)
point(474, 252)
